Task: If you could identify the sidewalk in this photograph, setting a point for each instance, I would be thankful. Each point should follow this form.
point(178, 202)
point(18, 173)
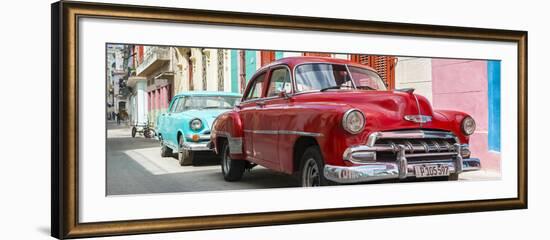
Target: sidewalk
point(112, 124)
point(480, 175)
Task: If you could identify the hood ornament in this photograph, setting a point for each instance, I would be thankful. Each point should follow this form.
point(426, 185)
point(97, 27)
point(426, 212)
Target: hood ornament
point(418, 118)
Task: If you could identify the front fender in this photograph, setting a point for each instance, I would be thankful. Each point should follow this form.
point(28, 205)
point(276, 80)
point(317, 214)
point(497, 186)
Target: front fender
point(451, 120)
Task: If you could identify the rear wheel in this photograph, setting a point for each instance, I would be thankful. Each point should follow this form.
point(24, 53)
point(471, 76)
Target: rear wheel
point(185, 157)
point(232, 170)
point(134, 131)
point(311, 168)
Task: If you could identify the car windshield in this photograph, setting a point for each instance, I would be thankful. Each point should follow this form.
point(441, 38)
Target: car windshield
point(324, 76)
point(203, 102)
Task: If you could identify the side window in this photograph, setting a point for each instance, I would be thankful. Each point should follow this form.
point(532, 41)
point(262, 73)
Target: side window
point(257, 87)
point(174, 105)
point(181, 104)
point(280, 80)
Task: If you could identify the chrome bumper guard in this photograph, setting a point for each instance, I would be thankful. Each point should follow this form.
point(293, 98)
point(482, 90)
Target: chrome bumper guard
point(195, 146)
point(201, 145)
point(366, 167)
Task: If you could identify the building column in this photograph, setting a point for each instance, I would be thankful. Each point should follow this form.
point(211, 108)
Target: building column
point(141, 101)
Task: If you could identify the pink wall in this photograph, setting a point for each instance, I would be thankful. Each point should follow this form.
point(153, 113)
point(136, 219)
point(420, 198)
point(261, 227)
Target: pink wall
point(462, 85)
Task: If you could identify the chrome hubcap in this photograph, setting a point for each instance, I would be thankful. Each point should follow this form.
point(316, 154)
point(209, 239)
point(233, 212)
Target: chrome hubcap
point(310, 176)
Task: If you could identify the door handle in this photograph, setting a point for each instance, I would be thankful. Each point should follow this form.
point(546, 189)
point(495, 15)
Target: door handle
point(260, 103)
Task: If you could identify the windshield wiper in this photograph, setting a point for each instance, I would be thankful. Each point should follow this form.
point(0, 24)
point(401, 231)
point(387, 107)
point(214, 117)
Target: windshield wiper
point(331, 87)
point(367, 87)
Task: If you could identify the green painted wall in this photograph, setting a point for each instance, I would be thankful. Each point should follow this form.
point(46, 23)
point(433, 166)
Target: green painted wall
point(234, 71)
point(250, 58)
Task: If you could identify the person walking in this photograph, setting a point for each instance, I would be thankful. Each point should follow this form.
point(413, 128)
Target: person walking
point(118, 118)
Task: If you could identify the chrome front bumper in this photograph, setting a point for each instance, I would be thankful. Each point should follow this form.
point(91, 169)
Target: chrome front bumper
point(195, 146)
point(388, 170)
point(410, 148)
point(201, 145)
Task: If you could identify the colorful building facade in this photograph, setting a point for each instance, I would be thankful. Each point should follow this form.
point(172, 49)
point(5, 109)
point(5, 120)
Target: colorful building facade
point(472, 86)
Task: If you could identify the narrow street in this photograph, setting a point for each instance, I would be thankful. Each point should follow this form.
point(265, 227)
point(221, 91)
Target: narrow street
point(134, 166)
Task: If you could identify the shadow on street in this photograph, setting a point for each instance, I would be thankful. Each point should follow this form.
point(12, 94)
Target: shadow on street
point(145, 171)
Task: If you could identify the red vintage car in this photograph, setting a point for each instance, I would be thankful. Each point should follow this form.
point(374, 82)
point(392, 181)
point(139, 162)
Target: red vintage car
point(334, 121)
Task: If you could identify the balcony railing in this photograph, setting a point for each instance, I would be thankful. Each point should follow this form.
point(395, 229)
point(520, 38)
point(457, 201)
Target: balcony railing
point(154, 57)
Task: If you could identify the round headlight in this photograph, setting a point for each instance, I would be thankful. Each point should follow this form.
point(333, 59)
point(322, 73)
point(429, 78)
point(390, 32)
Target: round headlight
point(353, 121)
point(195, 124)
point(468, 125)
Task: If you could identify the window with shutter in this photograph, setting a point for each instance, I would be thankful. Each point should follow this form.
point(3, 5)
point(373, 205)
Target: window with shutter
point(316, 54)
point(266, 57)
point(384, 65)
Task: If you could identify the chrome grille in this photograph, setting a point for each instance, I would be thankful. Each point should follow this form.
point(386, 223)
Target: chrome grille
point(416, 149)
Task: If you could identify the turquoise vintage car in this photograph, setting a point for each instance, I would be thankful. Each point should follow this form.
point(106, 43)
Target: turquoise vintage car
point(185, 127)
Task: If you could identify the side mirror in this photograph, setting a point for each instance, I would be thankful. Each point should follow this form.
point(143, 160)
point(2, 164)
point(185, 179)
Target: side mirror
point(283, 94)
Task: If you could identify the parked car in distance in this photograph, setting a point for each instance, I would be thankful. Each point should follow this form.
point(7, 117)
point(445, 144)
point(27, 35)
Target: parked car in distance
point(185, 127)
point(334, 121)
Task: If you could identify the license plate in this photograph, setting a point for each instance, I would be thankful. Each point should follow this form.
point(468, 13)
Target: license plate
point(431, 170)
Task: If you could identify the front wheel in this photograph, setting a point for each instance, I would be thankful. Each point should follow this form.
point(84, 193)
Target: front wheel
point(185, 157)
point(165, 151)
point(134, 131)
point(311, 170)
point(232, 170)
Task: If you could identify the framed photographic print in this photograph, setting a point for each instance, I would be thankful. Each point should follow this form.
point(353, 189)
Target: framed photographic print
point(168, 119)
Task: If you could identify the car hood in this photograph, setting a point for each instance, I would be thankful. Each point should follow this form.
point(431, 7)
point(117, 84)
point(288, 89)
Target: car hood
point(386, 110)
point(206, 115)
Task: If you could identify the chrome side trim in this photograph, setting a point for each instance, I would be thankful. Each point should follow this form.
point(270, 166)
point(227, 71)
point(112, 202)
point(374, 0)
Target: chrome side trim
point(235, 143)
point(284, 132)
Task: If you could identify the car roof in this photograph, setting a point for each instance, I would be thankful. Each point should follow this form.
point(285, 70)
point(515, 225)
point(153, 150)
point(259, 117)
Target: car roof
point(209, 93)
point(293, 61)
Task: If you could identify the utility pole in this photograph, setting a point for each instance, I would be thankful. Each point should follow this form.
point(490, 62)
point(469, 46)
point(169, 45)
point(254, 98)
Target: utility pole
point(242, 70)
